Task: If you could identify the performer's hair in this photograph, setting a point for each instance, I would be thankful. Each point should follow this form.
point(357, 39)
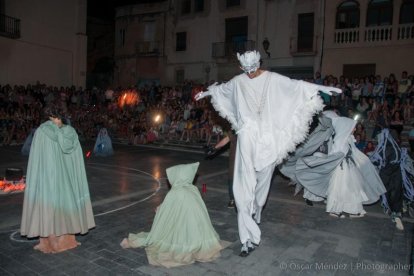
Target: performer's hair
point(54, 112)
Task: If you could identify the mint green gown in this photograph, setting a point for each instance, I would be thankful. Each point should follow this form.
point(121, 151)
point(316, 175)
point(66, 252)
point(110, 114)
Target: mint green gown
point(56, 198)
point(182, 232)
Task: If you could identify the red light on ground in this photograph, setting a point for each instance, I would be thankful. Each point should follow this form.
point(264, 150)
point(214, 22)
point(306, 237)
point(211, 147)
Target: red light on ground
point(88, 154)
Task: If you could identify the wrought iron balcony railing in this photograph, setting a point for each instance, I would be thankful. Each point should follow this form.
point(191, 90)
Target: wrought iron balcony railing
point(9, 26)
point(229, 49)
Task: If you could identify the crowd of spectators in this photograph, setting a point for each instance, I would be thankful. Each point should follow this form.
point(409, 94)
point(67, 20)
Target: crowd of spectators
point(170, 113)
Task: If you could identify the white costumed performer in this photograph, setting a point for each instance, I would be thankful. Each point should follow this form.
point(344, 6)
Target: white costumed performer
point(270, 114)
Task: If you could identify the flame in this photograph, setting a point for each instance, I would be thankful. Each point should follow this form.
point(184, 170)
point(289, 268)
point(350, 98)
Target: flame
point(130, 97)
point(11, 186)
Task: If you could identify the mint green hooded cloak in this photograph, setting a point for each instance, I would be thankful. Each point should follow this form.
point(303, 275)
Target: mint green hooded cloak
point(56, 199)
point(182, 232)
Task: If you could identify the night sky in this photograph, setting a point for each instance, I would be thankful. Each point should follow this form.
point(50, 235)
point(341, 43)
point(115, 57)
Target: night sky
point(105, 9)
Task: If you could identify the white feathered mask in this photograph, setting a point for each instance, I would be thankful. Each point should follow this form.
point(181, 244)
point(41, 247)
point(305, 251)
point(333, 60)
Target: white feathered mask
point(249, 61)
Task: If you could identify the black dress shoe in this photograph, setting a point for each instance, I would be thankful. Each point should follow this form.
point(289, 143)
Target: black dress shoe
point(310, 203)
point(245, 251)
point(244, 254)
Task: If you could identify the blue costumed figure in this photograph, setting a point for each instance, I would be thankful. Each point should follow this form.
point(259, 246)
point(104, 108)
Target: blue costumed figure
point(103, 144)
point(28, 143)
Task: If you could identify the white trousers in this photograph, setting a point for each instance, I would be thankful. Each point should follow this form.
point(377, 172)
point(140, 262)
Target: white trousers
point(250, 188)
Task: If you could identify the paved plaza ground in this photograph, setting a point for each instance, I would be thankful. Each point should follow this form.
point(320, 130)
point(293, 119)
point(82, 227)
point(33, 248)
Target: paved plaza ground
point(297, 239)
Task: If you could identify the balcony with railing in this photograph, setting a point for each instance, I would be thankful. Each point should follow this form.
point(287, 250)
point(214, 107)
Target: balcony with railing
point(9, 26)
point(366, 36)
point(378, 33)
point(230, 49)
point(346, 36)
point(405, 31)
point(149, 48)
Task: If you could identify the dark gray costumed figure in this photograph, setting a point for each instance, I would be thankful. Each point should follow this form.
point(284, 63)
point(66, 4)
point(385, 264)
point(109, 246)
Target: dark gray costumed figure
point(303, 167)
point(341, 174)
point(396, 170)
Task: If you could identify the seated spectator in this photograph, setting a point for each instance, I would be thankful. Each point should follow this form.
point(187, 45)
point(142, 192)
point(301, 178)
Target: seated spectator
point(408, 107)
point(360, 130)
point(373, 110)
point(370, 147)
point(362, 107)
point(397, 106)
point(380, 124)
point(411, 139)
point(216, 131)
point(356, 92)
point(359, 143)
point(397, 123)
point(172, 132)
point(152, 135)
point(187, 130)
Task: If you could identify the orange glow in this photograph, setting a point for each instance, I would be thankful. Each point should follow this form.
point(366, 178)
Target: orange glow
point(11, 186)
point(130, 97)
point(157, 118)
point(157, 175)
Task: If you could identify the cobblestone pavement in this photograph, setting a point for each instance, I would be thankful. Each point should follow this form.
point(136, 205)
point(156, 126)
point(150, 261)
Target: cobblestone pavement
point(296, 239)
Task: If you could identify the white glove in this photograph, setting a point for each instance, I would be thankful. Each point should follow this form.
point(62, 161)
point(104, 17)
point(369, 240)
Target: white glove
point(330, 89)
point(201, 95)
